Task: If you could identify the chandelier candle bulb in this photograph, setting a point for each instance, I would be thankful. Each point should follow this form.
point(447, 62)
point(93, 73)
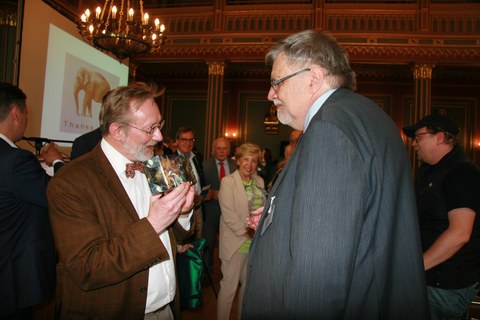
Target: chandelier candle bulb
point(122, 36)
point(130, 14)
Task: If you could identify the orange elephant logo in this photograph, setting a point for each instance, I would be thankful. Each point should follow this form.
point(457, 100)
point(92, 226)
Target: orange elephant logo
point(94, 85)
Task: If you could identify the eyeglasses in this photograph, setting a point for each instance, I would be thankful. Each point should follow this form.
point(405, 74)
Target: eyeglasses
point(418, 135)
point(186, 139)
point(275, 83)
point(150, 130)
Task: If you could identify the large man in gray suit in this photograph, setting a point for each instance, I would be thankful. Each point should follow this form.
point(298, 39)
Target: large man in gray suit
point(338, 238)
point(212, 171)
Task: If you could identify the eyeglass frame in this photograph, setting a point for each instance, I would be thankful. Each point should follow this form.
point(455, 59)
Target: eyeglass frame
point(150, 130)
point(418, 135)
point(192, 140)
point(275, 83)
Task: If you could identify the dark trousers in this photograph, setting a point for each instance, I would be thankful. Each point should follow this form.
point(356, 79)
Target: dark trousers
point(211, 224)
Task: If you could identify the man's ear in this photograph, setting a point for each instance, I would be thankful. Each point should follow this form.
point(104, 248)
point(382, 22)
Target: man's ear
point(117, 131)
point(15, 112)
point(317, 78)
point(440, 137)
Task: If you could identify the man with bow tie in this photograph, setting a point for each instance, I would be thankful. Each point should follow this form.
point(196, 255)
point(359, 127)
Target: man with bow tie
point(115, 239)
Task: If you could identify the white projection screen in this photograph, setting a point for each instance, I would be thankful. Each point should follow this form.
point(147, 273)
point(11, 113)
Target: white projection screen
point(76, 78)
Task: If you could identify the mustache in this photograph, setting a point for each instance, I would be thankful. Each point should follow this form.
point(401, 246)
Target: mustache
point(277, 102)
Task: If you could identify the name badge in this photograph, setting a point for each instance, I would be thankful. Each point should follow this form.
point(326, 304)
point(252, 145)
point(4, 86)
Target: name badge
point(269, 217)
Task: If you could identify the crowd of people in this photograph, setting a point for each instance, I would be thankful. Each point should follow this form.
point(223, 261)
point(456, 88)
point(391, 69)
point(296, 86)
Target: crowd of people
point(338, 229)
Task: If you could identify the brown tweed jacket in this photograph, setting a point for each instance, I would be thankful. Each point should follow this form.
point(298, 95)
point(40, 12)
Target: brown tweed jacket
point(104, 249)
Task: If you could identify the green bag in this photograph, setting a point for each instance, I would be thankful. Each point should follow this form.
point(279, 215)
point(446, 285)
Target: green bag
point(190, 271)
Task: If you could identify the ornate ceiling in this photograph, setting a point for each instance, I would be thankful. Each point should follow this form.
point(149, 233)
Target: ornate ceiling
point(383, 38)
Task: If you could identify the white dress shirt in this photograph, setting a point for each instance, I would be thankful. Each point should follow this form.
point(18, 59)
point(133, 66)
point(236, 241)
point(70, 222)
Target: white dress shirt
point(198, 186)
point(161, 277)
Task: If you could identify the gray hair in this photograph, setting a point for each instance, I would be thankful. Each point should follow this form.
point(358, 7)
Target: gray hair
point(216, 141)
point(320, 48)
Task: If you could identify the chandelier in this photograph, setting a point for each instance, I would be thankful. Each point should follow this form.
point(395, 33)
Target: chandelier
point(123, 30)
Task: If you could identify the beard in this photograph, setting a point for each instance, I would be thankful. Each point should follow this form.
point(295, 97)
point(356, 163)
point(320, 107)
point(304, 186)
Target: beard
point(284, 118)
point(141, 152)
point(283, 115)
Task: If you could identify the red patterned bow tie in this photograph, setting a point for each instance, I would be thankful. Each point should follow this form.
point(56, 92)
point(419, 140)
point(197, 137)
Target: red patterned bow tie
point(131, 167)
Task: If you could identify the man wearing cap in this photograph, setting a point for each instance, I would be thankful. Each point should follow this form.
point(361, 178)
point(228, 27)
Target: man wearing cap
point(447, 187)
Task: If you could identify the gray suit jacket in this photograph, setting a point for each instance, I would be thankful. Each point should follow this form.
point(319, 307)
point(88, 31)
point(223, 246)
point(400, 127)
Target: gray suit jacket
point(341, 240)
point(210, 173)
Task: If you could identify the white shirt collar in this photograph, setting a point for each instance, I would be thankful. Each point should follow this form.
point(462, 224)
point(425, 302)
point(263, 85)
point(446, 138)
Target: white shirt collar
point(190, 154)
point(116, 159)
point(315, 107)
point(8, 141)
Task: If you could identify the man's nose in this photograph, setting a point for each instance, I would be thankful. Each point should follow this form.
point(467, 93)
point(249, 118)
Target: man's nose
point(271, 94)
point(157, 134)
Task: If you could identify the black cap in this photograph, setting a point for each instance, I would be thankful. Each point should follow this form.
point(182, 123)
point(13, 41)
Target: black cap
point(436, 121)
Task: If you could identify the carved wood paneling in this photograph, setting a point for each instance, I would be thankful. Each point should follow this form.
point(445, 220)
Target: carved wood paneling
point(386, 31)
point(439, 31)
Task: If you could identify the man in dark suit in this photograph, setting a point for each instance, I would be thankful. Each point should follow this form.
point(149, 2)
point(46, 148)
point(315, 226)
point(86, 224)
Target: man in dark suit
point(213, 172)
point(85, 143)
point(115, 240)
point(185, 137)
point(338, 238)
point(27, 254)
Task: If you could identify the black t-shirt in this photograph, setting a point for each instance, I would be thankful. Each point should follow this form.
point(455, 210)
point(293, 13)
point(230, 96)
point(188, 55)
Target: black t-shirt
point(452, 183)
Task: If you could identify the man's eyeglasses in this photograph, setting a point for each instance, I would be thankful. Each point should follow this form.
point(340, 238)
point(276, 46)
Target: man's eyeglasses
point(276, 83)
point(186, 139)
point(150, 130)
point(418, 135)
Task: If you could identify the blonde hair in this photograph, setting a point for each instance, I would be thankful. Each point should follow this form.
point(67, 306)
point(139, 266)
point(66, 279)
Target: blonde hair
point(248, 148)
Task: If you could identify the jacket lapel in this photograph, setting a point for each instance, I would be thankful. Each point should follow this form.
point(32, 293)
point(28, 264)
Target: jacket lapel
point(287, 167)
point(113, 182)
